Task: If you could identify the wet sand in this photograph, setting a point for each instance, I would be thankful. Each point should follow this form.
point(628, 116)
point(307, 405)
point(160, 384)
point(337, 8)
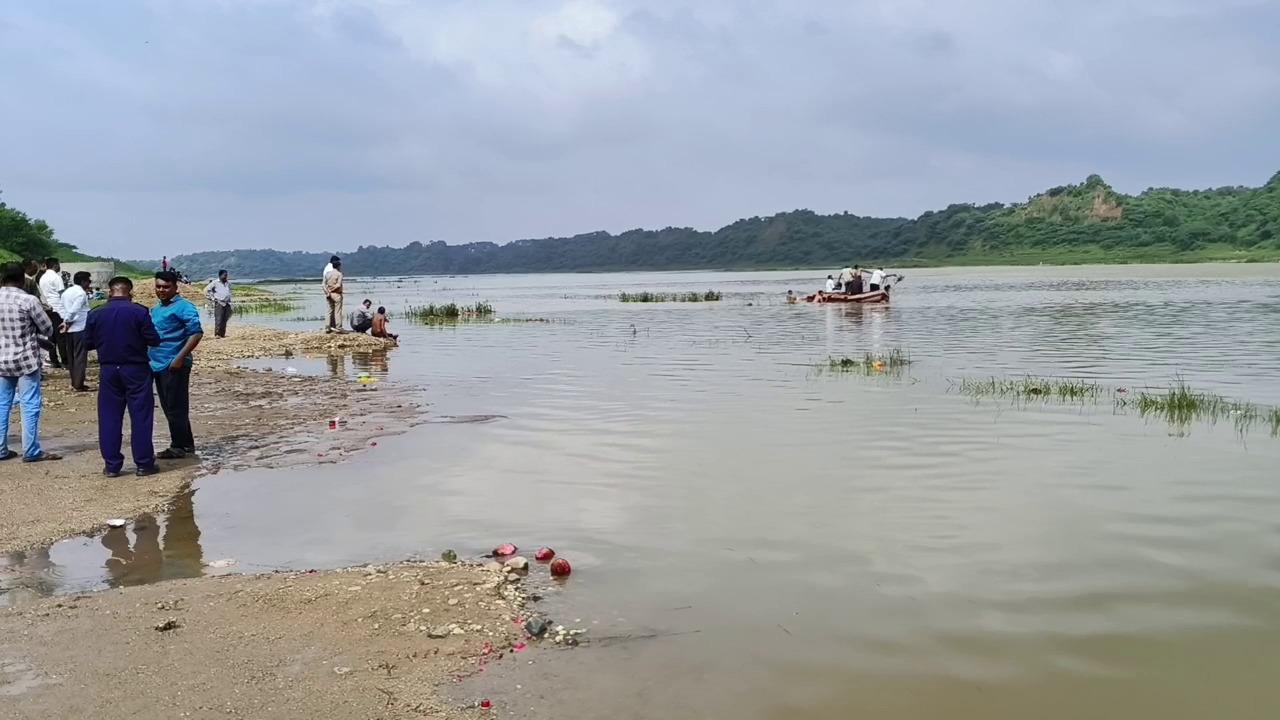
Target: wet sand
point(343, 644)
point(240, 418)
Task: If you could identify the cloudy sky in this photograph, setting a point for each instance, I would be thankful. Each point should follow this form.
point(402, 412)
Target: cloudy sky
point(165, 126)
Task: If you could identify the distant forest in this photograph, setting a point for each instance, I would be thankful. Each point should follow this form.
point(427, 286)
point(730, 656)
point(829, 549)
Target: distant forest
point(1070, 224)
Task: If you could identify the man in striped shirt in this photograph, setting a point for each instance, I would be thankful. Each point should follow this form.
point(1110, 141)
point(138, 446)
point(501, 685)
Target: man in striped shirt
point(24, 328)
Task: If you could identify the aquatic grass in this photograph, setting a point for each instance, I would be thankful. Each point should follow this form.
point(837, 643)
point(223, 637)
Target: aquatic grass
point(894, 359)
point(263, 307)
point(449, 312)
point(1028, 388)
point(1180, 406)
point(656, 297)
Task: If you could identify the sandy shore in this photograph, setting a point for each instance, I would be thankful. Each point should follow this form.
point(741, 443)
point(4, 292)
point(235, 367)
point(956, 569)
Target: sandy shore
point(240, 418)
point(364, 643)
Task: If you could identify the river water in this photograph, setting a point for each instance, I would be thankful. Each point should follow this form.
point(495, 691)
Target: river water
point(755, 537)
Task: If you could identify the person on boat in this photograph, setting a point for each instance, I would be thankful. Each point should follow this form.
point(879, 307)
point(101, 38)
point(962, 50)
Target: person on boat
point(855, 284)
point(846, 279)
point(877, 280)
point(831, 283)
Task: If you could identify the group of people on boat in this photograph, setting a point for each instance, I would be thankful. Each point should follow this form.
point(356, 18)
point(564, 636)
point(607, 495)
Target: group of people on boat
point(852, 284)
point(851, 281)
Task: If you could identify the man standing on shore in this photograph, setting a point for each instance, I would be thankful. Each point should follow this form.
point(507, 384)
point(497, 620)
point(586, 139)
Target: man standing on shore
point(177, 322)
point(23, 323)
point(219, 294)
point(333, 295)
point(75, 306)
point(121, 331)
point(51, 288)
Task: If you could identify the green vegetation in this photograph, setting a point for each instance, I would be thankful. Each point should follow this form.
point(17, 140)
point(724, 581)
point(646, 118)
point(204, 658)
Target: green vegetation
point(894, 360)
point(24, 237)
point(263, 307)
point(1180, 406)
point(1028, 388)
point(1085, 223)
point(652, 297)
point(451, 312)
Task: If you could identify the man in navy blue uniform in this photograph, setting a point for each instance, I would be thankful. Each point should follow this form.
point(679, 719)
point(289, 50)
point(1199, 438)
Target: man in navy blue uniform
point(121, 331)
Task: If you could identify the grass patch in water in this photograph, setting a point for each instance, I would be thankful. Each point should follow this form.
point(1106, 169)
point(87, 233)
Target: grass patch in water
point(653, 297)
point(1180, 405)
point(894, 360)
point(262, 307)
point(1028, 388)
point(450, 312)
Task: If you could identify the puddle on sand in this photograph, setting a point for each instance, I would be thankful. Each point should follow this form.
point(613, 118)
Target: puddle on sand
point(149, 549)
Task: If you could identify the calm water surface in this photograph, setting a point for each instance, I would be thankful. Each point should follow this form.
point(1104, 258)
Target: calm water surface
point(808, 544)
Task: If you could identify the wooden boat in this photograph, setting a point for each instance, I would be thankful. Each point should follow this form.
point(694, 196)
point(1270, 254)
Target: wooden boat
point(879, 296)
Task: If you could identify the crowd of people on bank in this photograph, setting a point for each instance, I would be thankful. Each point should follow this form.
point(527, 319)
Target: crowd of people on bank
point(142, 354)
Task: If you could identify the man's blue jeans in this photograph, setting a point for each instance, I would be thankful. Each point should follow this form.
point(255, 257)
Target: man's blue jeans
point(29, 396)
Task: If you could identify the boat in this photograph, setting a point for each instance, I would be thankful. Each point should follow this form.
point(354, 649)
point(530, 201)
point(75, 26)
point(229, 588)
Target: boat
point(878, 296)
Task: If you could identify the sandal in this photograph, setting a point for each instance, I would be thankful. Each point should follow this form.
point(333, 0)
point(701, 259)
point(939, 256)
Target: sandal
point(42, 457)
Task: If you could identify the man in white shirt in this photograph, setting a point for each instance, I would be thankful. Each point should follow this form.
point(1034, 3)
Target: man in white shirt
point(846, 279)
point(51, 288)
point(75, 314)
point(877, 279)
point(831, 284)
point(218, 293)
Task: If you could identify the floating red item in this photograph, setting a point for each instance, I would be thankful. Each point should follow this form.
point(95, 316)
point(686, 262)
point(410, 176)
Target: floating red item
point(505, 549)
point(485, 704)
point(544, 554)
point(560, 568)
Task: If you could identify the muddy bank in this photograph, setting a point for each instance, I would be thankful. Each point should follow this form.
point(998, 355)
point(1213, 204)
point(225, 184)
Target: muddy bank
point(370, 642)
point(240, 418)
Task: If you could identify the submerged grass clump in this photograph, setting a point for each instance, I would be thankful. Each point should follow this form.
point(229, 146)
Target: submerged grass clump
point(652, 297)
point(451, 312)
point(263, 307)
point(893, 360)
point(1028, 388)
point(1180, 405)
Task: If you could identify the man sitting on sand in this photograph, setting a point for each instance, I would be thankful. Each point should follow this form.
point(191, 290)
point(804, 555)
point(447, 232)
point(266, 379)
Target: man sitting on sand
point(380, 325)
point(121, 331)
point(362, 317)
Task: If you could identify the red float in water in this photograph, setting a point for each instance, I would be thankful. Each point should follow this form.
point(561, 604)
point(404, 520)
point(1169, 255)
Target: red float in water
point(544, 554)
point(560, 568)
point(505, 549)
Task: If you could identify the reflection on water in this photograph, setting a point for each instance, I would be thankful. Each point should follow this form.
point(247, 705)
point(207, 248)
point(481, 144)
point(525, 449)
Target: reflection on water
point(146, 551)
point(843, 544)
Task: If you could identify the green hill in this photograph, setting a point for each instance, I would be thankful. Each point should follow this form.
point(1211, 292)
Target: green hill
point(1085, 223)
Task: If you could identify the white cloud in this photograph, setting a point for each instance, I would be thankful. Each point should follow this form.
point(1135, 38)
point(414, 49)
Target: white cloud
point(465, 120)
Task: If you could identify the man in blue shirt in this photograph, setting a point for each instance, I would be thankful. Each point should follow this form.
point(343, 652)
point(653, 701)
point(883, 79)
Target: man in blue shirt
point(121, 331)
point(178, 323)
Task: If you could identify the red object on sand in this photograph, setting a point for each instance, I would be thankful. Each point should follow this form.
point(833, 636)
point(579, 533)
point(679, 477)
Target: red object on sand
point(560, 568)
point(544, 554)
point(518, 646)
point(505, 549)
point(485, 704)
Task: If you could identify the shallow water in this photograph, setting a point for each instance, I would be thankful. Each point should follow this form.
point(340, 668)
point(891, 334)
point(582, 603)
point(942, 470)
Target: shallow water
point(805, 542)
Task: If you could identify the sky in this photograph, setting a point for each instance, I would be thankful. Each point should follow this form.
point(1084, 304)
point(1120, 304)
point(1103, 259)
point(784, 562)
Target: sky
point(146, 127)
